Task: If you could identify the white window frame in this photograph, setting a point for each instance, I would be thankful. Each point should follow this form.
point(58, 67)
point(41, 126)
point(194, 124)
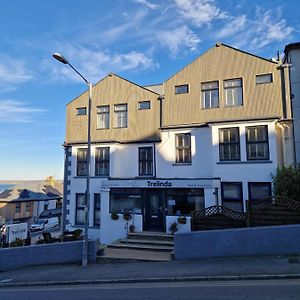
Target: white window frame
point(103, 117)
point(207, 90)
point(233, 92)
point(120, 115)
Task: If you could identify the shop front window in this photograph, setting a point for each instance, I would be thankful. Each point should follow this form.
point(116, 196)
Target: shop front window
point(185, 201)
point(125, 200)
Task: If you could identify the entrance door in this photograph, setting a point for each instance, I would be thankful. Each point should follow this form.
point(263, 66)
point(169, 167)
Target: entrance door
point(154, 211)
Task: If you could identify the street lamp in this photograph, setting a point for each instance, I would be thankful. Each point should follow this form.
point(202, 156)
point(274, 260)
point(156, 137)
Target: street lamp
point(63, 60)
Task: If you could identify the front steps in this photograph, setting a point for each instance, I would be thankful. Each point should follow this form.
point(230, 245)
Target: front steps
point(142, 246)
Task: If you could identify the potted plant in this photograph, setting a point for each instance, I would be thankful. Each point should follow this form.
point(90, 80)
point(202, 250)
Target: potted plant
point(114, 216)
point(173, 227)
point(127, 216)
point(181, 220)
point(132, 228)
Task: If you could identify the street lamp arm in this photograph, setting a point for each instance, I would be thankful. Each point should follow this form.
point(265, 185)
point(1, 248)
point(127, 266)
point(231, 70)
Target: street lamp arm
point(63, 60)
point(86, 81)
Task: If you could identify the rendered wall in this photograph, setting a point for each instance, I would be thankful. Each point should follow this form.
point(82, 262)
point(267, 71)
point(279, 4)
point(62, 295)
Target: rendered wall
point(270, 240)
point(69, 252)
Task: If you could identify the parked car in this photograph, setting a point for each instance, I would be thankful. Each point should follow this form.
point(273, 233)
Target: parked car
point(44, 224)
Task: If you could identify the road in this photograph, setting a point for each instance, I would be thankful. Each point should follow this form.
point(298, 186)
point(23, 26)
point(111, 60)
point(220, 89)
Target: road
point(233, 290)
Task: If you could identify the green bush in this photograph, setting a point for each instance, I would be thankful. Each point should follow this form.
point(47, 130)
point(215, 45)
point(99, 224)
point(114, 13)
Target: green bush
point(286, 183)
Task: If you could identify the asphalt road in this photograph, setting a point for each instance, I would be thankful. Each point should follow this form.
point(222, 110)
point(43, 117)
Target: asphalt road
point(233, 290)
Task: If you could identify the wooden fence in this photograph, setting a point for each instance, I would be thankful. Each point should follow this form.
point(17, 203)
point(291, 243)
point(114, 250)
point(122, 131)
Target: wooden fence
point(259, 213)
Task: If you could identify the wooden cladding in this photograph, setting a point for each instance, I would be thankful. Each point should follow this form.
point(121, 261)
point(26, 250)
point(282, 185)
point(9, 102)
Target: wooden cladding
point(221, 64)
point(221, 85)
point(113, 91)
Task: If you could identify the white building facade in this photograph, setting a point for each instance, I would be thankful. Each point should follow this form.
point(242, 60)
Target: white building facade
point(158, 163)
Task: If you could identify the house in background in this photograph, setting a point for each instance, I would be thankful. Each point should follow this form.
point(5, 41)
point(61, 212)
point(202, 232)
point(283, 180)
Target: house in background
point(212, 134)
point(25, 202)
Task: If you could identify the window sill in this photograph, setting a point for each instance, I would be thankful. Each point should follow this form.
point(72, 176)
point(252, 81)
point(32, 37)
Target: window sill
point(81, 176)
point(204, 108)
point(145, 176)
point(100, 176)
point(244, 162)
point(182, 164)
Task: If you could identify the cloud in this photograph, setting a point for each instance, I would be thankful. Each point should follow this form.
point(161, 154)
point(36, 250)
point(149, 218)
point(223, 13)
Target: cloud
point(94, 64)
point(269, 28)
point(262, 29)
point(233, 27)
point(178, 39)
point(13, 72)
point(199, 12)
point(12, 111)
point(147, 4)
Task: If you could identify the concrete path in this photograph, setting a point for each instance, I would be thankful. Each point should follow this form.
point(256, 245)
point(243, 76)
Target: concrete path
point(212, 269)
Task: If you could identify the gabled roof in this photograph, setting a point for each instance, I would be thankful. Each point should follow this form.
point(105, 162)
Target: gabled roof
point(37, 191)
point(113, 74)
point(227, 46)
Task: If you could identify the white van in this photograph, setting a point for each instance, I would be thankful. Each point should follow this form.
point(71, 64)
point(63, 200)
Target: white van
point(44, 224)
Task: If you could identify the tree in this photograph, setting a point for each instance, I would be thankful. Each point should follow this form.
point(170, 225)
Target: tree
point(286, 183)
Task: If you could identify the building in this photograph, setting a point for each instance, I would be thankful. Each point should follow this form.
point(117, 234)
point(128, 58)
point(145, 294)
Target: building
point(25, 202)
point(212, 134)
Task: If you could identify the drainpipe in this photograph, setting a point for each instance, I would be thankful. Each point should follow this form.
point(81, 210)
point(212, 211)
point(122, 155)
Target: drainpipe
point(65, 192)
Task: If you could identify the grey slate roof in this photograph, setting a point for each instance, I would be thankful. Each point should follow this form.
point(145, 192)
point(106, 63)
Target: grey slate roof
point(32, 191)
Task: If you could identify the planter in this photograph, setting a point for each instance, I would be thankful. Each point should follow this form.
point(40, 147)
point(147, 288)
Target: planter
point(127, 216)
point(181, 220)
point(114, 216)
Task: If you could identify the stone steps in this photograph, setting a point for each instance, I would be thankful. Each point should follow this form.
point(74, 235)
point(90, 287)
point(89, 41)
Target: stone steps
point(145, 246)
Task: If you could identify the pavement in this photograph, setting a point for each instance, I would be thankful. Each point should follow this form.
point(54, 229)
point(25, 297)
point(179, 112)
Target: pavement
point(237, 268)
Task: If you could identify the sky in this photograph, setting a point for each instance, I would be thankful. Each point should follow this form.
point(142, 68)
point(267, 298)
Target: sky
point(145, 41)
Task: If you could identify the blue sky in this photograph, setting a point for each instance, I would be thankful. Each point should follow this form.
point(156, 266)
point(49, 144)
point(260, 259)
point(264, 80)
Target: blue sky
point(144, 41)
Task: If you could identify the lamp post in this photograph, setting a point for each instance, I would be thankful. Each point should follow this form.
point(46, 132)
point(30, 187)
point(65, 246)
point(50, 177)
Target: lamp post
point(63, 60)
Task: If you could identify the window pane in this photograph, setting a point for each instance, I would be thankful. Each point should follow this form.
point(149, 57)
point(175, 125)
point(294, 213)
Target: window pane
point(210, 85)
point(183, 202)
point(229, 144)
point(233, 92)
point(102, 161)
point(232, 83)
point(257, 142)
point(181, 89)
point(210, 94)
point(144, 105)
point(183, 148)
point(125, 202)
point(120, 116)
point(103, 117)
point(264, 78)
point(97, 205)
point(80, 111)
point(81, 162)
point(259, 191)
point(232, 196)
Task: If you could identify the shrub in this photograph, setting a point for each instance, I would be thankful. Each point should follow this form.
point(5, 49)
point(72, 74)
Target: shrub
point(286, 183)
